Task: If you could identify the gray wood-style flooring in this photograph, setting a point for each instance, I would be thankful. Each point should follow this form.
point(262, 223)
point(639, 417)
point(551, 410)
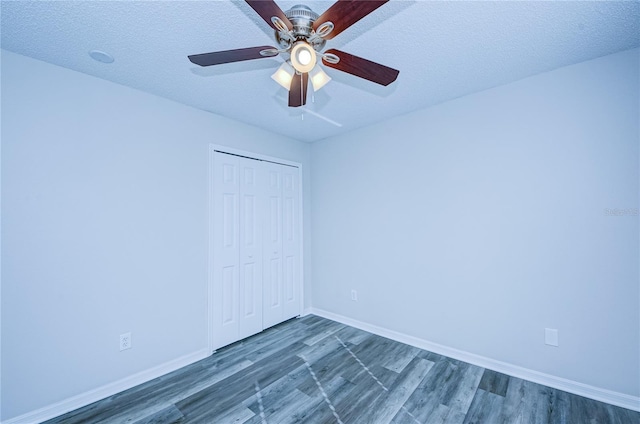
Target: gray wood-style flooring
point(313, 370)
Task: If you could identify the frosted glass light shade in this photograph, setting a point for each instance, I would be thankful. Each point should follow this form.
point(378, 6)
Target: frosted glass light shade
point(284, 75)
point(318, 78)
point(303, 57)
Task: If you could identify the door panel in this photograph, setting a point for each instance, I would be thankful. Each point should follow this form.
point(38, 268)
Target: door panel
point(274, 279)
point(273, 306)
point(291, 244)
point(225, 319)
point(249, 297)
point(289, 279)
point(250, 248)
point(229, 228)
point(229, 313)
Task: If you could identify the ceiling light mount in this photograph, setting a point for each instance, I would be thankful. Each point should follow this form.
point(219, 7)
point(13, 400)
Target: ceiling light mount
point(302, 19)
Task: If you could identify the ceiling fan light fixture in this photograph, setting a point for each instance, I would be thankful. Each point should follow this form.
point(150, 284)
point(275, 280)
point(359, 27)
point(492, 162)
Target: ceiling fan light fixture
point(284, 75)
point(319, 78)
point(303, 57)
point(302, 34)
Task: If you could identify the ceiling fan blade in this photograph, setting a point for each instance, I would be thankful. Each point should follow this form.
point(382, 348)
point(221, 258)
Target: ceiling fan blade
point(268, 9)
point(345, 13)
point(362, 68)
point(228, 56)
point(298, 90)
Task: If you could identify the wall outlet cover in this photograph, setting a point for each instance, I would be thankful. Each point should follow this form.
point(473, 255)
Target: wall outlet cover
point(125, 341)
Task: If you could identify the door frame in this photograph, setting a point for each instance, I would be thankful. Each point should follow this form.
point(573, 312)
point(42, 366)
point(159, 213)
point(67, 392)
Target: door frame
point(213, 148)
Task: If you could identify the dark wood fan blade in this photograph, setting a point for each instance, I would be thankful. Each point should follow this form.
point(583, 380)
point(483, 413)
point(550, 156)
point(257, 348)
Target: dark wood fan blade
point(362, 68)
point(267, 9)
point(298, 90)
point(345, 13)
point(228, 56)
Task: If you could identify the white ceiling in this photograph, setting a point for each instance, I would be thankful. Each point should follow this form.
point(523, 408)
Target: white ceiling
point(443, 50)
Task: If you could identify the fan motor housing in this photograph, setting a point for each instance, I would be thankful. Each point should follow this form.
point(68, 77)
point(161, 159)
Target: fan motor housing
point(302, 19)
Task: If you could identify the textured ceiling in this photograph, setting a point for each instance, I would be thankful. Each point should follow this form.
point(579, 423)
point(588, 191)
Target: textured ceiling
point(443, 50)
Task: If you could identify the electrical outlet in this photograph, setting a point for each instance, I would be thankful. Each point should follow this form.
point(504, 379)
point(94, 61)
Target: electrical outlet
point(125, 341)
point(354, 295)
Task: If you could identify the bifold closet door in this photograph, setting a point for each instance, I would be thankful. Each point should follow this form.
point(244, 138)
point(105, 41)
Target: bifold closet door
point(250, 247)
point(281, 254)
point(237, 249)
point(291, 243)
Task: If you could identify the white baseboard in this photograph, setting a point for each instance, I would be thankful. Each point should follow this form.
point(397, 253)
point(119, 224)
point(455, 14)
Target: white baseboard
point(591, 392)
point(105, 391)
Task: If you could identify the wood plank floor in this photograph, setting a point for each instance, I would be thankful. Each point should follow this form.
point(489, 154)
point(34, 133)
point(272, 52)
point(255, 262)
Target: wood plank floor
point(313, 370)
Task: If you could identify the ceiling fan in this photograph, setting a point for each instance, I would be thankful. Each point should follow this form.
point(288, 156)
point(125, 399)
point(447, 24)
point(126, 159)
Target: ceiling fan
point(300, 33)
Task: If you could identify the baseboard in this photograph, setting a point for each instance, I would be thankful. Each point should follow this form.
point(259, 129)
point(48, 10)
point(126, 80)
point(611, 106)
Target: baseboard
point(105, 391)
point(591, 392)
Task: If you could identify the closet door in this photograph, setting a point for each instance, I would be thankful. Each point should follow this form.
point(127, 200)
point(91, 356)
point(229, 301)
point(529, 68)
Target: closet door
point(291, 247)
point(226, 251)
point(273, 311)
point(282, 273)
point(256, 273)
point(250, 302)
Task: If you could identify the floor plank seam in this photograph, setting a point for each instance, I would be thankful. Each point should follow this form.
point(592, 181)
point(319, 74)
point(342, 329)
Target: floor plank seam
point(324, 394)
point(375, 378)
point(259, 396)
point(361, 364)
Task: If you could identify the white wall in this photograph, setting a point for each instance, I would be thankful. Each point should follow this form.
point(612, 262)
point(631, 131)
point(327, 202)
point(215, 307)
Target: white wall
point(477, 223)
point(104, 217)
point(474, 224)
